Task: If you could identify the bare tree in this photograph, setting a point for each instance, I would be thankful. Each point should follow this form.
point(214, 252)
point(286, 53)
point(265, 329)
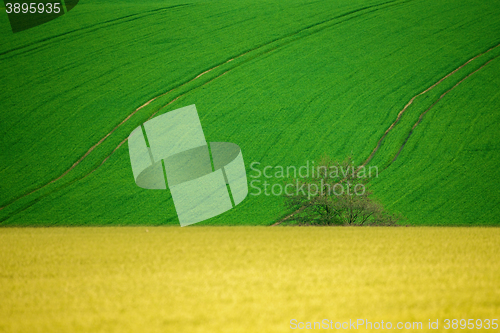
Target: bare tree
point(336, 193)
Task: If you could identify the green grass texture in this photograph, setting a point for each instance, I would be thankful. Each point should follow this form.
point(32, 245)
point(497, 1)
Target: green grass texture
point(286, 81)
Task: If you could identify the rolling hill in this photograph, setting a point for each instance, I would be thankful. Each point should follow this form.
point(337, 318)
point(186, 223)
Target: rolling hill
point(413, 82)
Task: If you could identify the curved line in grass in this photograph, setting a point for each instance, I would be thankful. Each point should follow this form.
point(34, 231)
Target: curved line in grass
point(419, 119)
point(379, 143)
point(430, 107)
point(290, 35)
point(95, 26)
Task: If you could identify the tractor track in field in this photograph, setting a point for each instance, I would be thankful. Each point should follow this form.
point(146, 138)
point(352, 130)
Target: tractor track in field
point(379, 143)
point(112, 131)
point(90, 28)
point(400, 114)
point(433, 104)
point(360, 12)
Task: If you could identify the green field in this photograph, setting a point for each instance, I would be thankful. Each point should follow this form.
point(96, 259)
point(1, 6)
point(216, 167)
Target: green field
point(286, 81)
point(243, 279)
point(411, 87)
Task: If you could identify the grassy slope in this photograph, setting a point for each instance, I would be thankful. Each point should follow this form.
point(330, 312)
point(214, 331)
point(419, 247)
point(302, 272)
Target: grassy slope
point(448, 171)
point(334, 87)
point(99, 67)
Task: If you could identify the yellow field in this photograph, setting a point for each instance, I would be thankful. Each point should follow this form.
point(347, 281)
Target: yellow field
point(243, 279)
